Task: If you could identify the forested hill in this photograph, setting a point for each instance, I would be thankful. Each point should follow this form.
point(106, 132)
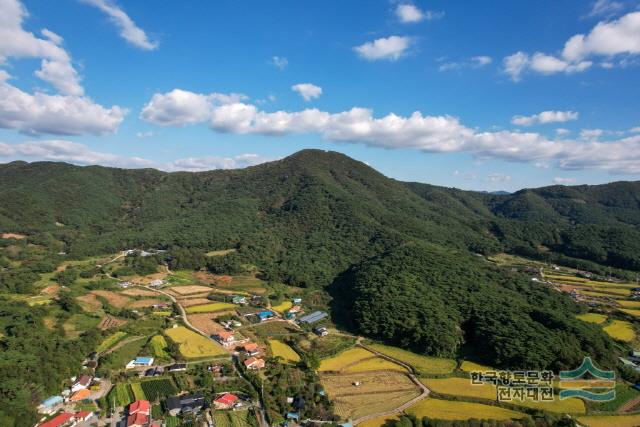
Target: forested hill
point(310, 216)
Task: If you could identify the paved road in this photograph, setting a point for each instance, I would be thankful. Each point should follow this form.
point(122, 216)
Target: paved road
point(399, 409)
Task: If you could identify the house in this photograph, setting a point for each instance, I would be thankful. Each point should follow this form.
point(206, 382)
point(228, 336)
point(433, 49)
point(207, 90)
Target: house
point(137, 420)
point(140, 407)
point(254, 363)
point(238, 299)
point(154, 372)
point(321, 331)
point(634, 355)
point(226, 401)
point(50, 403)
point(63, 419)
point(186, 404)
point(80, 395)
point(225, 338)
point(124, 284)
point(156, 283)
point(295, 309)
point(296, 301)
point(314, 317)
point(178, 367)
point(265, 315)
point(161, 306)
point(81, 383)
point(83, 415)
point(251, 349)
point(140, 361)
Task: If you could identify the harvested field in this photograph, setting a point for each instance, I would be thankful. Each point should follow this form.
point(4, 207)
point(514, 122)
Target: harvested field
point(359, 405)
point(109, 322)
point(145, 280)
point(189, 289)
point(147, 302)
point(135, 292)
point(89, 302)
point(205, 322)
point(113, 298)
point(190, 302)
point(452, 410)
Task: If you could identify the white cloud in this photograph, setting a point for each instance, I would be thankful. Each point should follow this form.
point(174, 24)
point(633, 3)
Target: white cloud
point(635, 129)
point(498, 177)
point(562, 132)
point(279, 62)
point(308, 91)
point(146, 134)
point(128, 29)
point(591, 134)
point(481, 61)
point(437, 134)
point(472, 62)
point(409, 13)
point(390, 48)
point(68, 113)
point(197, 164)
point(605, 8)
point(545, 117)
point(607, 38)
point(563, 181)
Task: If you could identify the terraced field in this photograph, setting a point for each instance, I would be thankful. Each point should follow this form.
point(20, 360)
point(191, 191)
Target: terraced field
point(620, 330)
point(610, 420)
point(422, 364)
point(210, 308)
point(344, 359)
point(592, 318)
point(280, 349)
point(193, 345)
point(453, 410)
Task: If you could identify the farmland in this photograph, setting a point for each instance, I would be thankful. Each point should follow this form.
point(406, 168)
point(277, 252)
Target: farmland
point(190, 289)
point(280, 349)
point(210, 308)
point(282, 307)
point(453, 410)
point(620, 330)
point(423, 364)
point(122, 393)
point(158, 345)
point(109, 322)
point(189, 302)
point(136, 292)
point(205, 322)
point(110, 341)
point(193, 345)
point(374, 364)
point(147, 302)
point(592, 318)
point(235, 419)
point(468, 366)
point(344, 359)
point(610, 420)
point(158, 388)
point(113, 298)
point(460, 387)
point(355, 401)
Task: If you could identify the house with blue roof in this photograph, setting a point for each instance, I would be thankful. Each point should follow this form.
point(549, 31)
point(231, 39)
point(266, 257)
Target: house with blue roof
point(265, 315)
point(140, 361)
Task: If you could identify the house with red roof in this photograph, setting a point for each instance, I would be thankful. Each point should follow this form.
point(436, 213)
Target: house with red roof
point(225, 338)
point(140, 407)
point(251, 349)
point(138, 420)
point(60, 420)
point(226, 401)
point(254, 363)
point(81, 383)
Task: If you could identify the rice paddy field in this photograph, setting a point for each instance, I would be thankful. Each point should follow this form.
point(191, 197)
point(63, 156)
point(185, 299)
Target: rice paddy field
point(358, 405)
point(345, 359)
point(610, 420)
point(620, 330)
point(209, 308)
point(193, 345)
point(453, 410)
point(282, 307)
point(375, 364)
point(379, 422)
point(159, 345)
point(632, 312)
point(422, 364)
point(629, 304)
point(234, 419)
point(468, 366)
point(280, 349)
point(110, 341)
point(592, 318)
point(189, 289)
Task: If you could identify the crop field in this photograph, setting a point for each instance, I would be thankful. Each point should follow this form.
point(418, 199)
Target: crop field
point(205, 322)
point(120, 395)
point(190, 302)
point(274, 329)
point(110, 341)
point(282, 307)
point(629, 304)
point(423, 364)
point(634, 313)
point(158, 388)
point(375, 364)
point(234, 419)
point(379, 422)
point(280, 349)
point(135, 292)
point(89, 302)
point(358, 405)
point(592, 318)
point(159, 345)
point(180, 277)
point(190, 289)
point(468, 366)
point(193, 345)
point(602, 294)
point(209, 308)
point(460, 387)
point(453, 410)
point(620, 330)
point(136, 389)
point(345, 359)
point(147, 302)
point(172, 422)
point(109, 322)
point(113, 298)
point(370, 383)
point(610, 420)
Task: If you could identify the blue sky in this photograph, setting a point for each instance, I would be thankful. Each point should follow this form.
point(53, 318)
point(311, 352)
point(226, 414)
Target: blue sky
point(476, 95)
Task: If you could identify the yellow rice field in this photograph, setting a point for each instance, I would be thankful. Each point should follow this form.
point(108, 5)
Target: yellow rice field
point(629, 304)
point(634, 313)
point(375, 364)
point(110, 341)
point(193, 345)
point(378, 422)
point(282, 307)
point(468, 366)
point(209, 308)
point(423, 364)
point(280, 349)
point(601, 294)
point(453, 410)
point(610, 420)
point(592, 318)
point(347, 357)
point(620, 330)
point(460, 387)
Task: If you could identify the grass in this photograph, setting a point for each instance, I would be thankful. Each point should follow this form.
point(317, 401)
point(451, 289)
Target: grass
point(222, 252)
point(610, 420)
point(119, 358)
point(209, 308)
point(193, 345)
point(280, 349)
point(620, 330)
point(158, 345)
point(624, 393)
point(452, 410)
point(375, 364)
point(344, 359)
point(283, 306)
point(423, 364)
point(137, 391)
point(180, 277)
point(110, 341)
point(592, 318)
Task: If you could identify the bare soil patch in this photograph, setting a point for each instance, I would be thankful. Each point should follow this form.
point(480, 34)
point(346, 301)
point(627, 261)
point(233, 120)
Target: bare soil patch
point(190, 302)
point(190, 289)
point(113, 298)
point(110, 322)
point(147, 302)
point(205, 322)
point(139, 293)
point(13, 236)
point(89, 302)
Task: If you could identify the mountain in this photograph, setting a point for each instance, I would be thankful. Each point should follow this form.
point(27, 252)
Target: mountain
point(397, 258)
